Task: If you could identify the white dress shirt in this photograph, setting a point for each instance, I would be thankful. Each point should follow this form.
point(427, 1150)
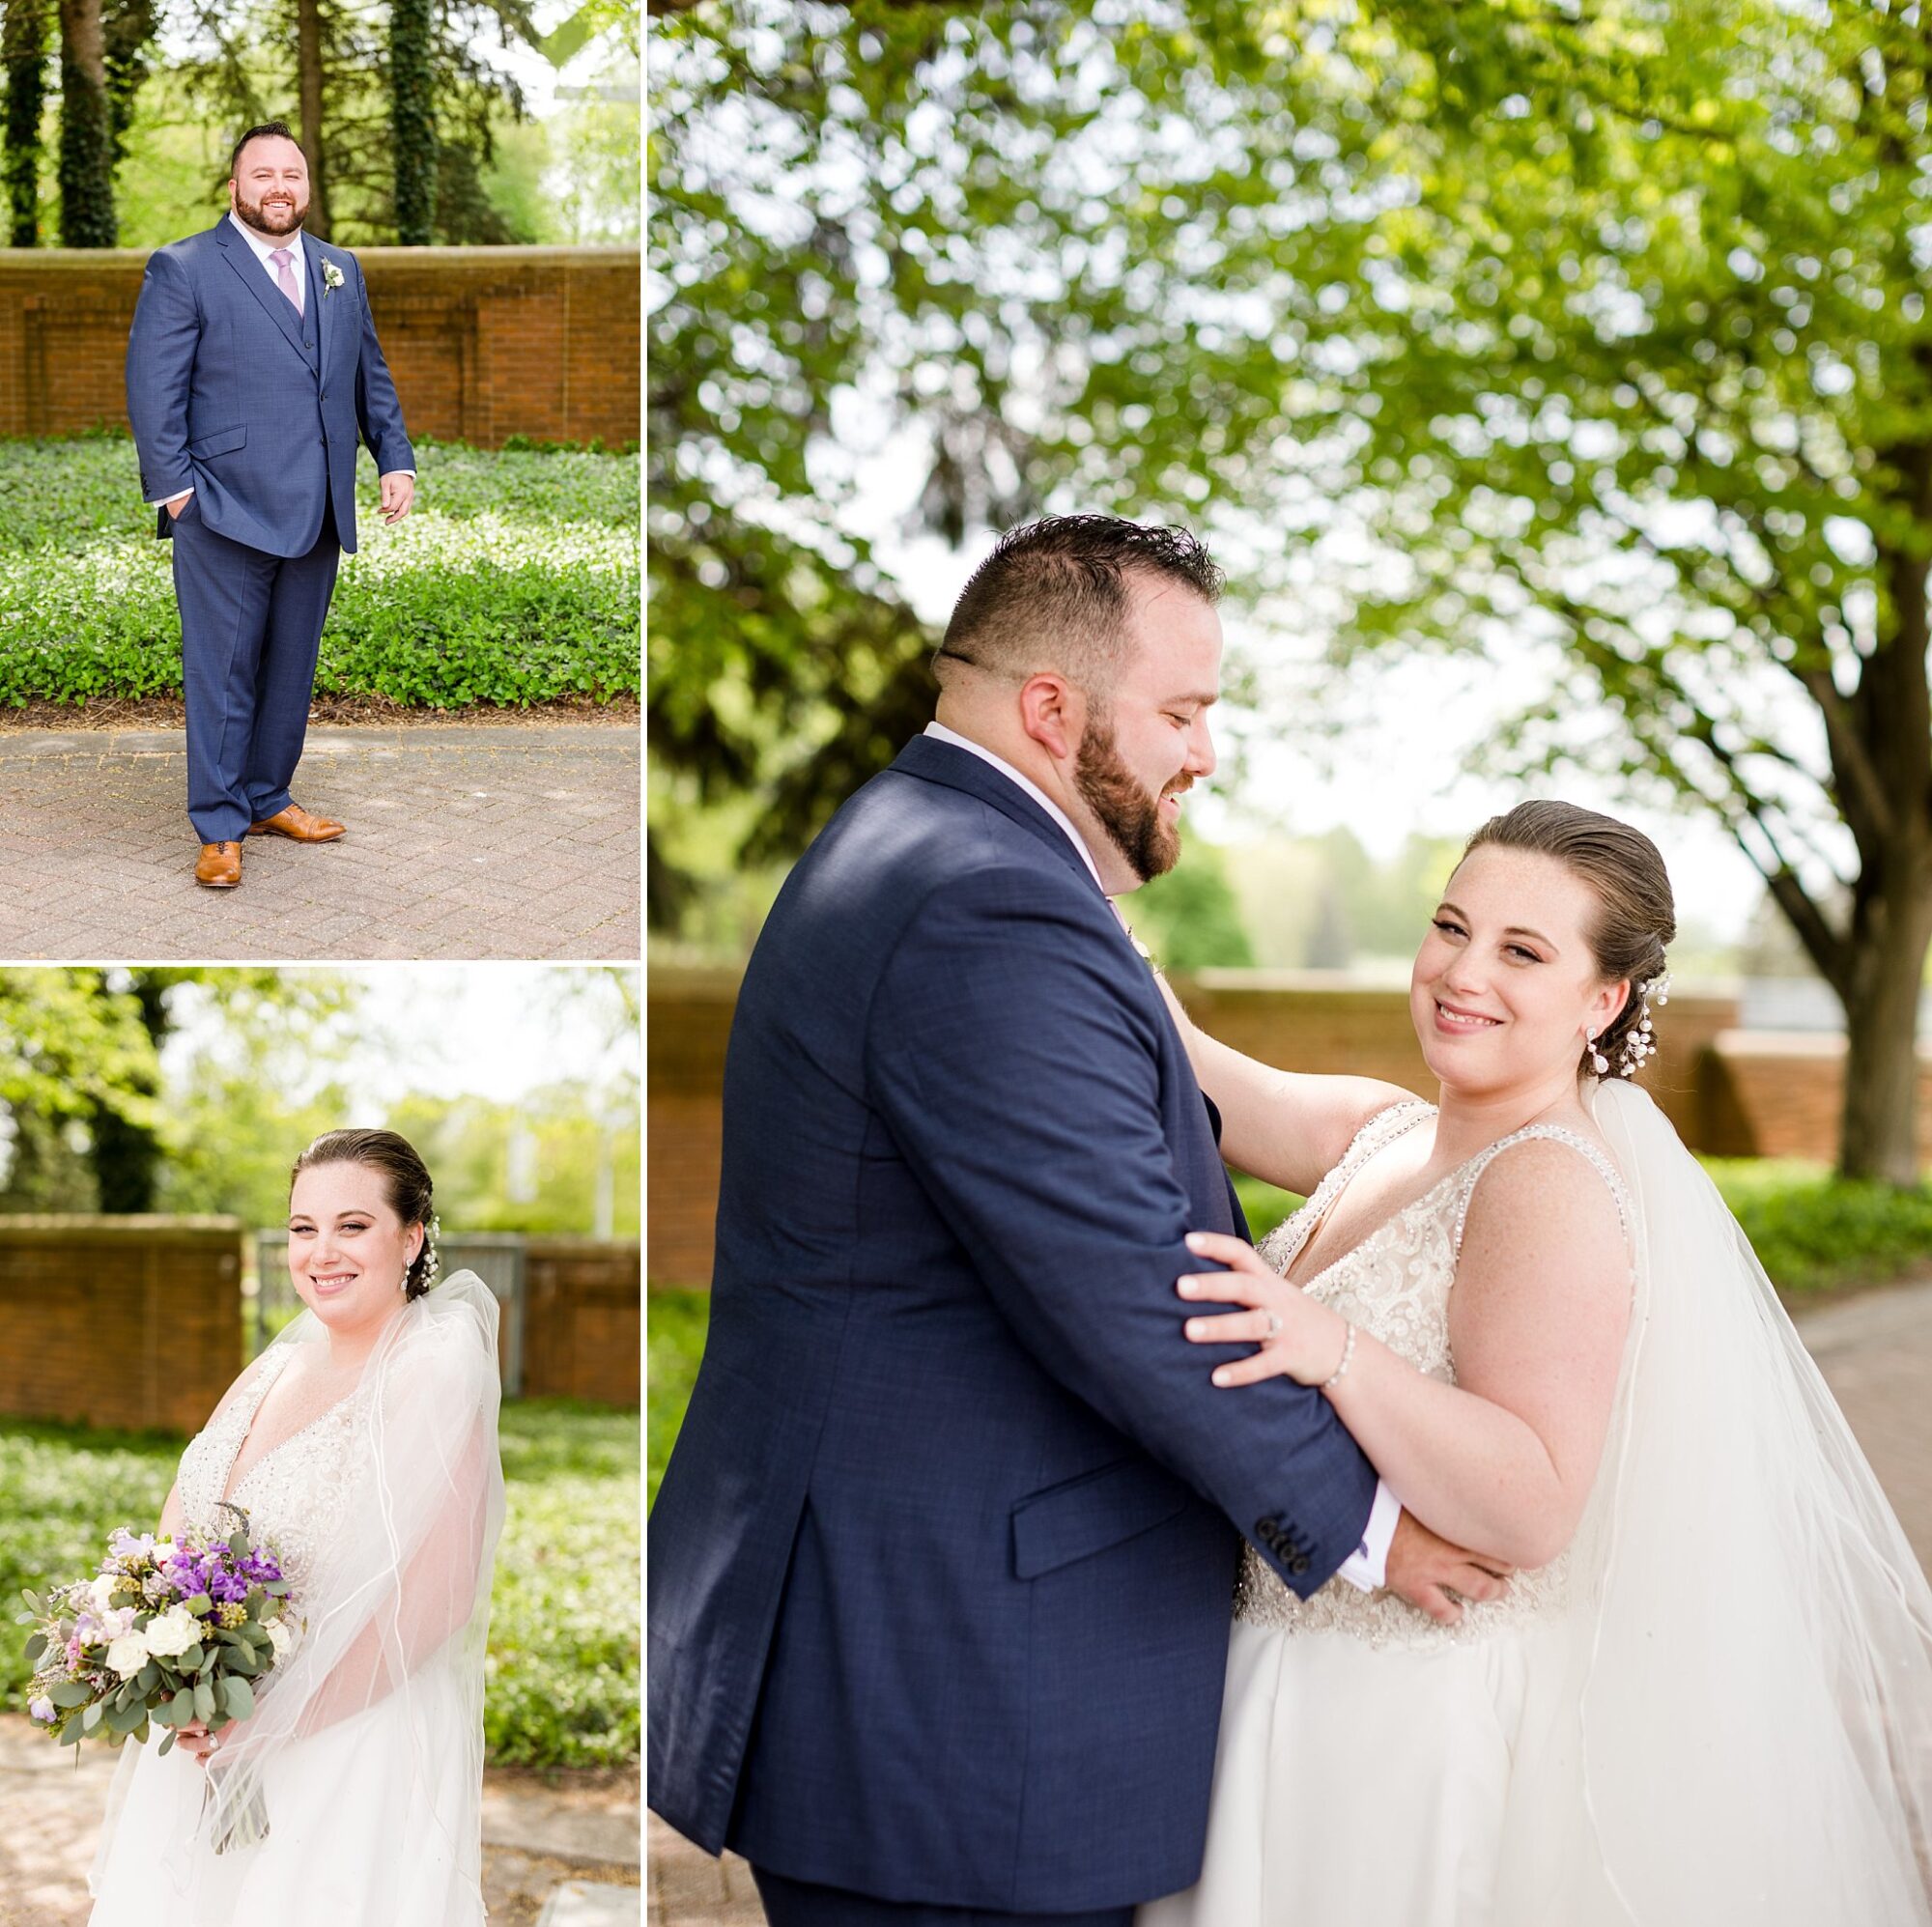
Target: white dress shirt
point(1367, 1567)
point(264, 247)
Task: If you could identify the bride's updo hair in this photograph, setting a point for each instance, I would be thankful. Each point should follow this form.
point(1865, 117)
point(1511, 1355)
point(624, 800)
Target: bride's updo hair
point(406, 1179)
point(1635, 918)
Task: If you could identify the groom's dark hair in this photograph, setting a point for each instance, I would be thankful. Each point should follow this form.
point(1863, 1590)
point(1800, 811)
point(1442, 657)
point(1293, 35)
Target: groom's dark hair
point(279, 128)
point(1053, 595)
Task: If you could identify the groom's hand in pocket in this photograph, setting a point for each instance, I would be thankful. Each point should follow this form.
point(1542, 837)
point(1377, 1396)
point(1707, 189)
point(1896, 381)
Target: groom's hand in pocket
point(1435, 1577)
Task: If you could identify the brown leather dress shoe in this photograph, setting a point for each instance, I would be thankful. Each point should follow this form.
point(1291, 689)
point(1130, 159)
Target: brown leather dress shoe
point(296, 821)
point(220, 865)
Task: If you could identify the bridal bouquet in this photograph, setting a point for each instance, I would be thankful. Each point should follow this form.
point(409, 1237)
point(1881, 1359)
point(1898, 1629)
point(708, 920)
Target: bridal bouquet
point(169, 1631)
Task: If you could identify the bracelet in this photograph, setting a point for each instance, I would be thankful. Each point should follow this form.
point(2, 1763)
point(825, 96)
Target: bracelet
point(1348, 1358)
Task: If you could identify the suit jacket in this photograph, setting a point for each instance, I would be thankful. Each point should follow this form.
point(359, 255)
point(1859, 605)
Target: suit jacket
point(256, 408)
point(941, 1569)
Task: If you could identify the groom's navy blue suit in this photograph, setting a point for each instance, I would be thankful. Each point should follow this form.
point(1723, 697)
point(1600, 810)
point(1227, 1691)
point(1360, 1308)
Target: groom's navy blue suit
point(256, 408)
point(940, 1570)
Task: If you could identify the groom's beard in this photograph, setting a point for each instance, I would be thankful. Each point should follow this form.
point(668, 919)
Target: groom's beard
point(1129, 815)
point(271, 220)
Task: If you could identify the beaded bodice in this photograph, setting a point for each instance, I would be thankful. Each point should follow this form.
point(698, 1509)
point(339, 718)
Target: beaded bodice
point(1395, 1285)
point(293, 1494)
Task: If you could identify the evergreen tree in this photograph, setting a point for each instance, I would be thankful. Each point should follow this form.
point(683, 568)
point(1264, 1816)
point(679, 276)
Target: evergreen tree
point(413, 119)
point(23, 50)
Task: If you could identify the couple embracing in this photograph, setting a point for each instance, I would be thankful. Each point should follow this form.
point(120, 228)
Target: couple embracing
point(1483, 1548)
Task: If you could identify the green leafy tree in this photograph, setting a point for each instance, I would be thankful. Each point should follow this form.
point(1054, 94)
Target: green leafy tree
point(81, 1077)
point(1605, 328)
point(1189, 918)
point(249, 59)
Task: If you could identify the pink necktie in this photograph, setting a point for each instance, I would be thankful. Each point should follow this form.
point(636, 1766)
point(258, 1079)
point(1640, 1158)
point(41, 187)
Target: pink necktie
point(285, 276)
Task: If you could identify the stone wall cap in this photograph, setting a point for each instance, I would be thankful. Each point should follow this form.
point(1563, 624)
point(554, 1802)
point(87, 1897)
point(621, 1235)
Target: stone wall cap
point(1780, 1043)
point(63, 260)
point(147, 1226)
point(564, 1241)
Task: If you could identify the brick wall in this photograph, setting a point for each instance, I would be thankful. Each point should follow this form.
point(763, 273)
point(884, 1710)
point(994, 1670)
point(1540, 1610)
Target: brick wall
point(484, 342)
point(582, 1320)
point(1732, 1093)
point(129, 1322)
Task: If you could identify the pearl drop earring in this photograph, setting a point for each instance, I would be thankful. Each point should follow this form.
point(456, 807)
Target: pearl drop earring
point(1598, 1063)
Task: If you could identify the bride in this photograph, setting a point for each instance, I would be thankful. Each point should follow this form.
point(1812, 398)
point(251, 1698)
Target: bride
point(1706, 1695)
point(362, 1445)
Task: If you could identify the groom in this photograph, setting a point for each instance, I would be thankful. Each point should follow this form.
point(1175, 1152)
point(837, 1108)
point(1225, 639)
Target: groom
point(942, 1567)
point(251, 368)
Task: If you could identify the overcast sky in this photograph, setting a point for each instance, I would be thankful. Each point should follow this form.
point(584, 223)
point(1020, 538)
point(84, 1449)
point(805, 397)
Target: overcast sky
point(497, 1031)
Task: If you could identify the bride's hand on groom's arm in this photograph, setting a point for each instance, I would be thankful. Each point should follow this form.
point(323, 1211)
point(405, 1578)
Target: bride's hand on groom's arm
point(1298, 1338)
point(1295, 1337)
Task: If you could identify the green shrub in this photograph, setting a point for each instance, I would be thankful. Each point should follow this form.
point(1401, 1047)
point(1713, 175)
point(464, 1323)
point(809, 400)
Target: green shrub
point(513, 582)
point(1815, 1232)
point(677, 1322)
point(563, 1660)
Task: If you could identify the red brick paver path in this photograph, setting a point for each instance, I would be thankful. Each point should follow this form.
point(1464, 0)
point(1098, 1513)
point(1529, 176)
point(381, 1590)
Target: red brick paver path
point(492, 840)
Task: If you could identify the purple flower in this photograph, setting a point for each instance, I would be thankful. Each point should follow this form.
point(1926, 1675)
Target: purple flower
point(43, 1710)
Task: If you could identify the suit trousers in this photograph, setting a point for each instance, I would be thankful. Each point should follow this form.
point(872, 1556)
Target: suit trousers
point(790, 1903)
point(251, 628)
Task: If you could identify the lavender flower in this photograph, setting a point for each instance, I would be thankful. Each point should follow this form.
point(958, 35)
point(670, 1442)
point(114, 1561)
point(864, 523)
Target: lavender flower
point(43, 1710)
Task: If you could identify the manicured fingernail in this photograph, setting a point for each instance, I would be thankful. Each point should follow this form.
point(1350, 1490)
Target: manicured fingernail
point(1221, 1376)
point(1193, 1327)
point(1196, 1242)
point(1189, 1289)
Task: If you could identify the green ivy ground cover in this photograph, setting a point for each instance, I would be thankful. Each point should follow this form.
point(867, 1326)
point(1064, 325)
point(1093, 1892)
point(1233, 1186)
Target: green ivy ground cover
point(563, 1659)
point(514, 580)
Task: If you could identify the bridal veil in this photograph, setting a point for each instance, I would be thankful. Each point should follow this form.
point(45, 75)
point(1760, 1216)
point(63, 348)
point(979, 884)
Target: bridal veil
point(366, 1744)
point(1736, 1724)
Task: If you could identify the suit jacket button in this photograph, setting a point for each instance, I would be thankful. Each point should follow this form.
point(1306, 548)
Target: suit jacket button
point(1298, 1565)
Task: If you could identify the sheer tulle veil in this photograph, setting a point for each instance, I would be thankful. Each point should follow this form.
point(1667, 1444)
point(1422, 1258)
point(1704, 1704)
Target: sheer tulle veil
point(395, 1605)
point(1738, 1726)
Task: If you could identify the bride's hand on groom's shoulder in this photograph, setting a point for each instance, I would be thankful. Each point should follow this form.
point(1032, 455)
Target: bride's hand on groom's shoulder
point(1296, 1338)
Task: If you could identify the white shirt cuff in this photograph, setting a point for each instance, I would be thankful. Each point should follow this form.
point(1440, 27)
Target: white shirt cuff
point(156, 502)
point(1367, 1567)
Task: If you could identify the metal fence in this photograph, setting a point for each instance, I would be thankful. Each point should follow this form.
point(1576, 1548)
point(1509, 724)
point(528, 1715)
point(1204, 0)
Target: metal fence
point(496, 1257)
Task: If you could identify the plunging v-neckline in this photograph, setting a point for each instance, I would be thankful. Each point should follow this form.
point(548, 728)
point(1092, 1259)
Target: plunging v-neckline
point(230, 1484)
point(1346, 1173)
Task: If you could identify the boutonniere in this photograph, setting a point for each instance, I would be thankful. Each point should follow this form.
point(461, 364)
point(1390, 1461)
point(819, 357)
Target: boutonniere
point(331, 278)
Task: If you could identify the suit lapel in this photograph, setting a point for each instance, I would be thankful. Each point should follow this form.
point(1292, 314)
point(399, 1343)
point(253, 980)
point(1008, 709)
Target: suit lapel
point(318, 290)
point(276, 304)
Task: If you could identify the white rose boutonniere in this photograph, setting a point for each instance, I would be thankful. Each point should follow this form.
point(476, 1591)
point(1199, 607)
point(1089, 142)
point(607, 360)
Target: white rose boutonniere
point(331, 278)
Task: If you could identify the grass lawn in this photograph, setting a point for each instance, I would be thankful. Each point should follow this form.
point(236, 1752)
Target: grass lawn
point(563, 1661)
point(513, 580)
point(1814, 1234)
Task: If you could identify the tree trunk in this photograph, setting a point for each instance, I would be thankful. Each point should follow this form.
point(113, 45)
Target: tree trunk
point(86, 134)
point(1878, 1133)
point(413, 119)
point(126, 1157)
point(23, 47)
point(308, 79)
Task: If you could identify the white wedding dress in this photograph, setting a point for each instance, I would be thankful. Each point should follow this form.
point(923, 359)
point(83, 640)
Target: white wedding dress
point(1714, 1707)
point(365, 1752)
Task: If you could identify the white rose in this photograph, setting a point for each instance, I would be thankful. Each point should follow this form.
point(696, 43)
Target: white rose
point(129, 1654)
point(101, 1591)
point(171, 1633)
point(280, 1638)
point(165, 1550)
